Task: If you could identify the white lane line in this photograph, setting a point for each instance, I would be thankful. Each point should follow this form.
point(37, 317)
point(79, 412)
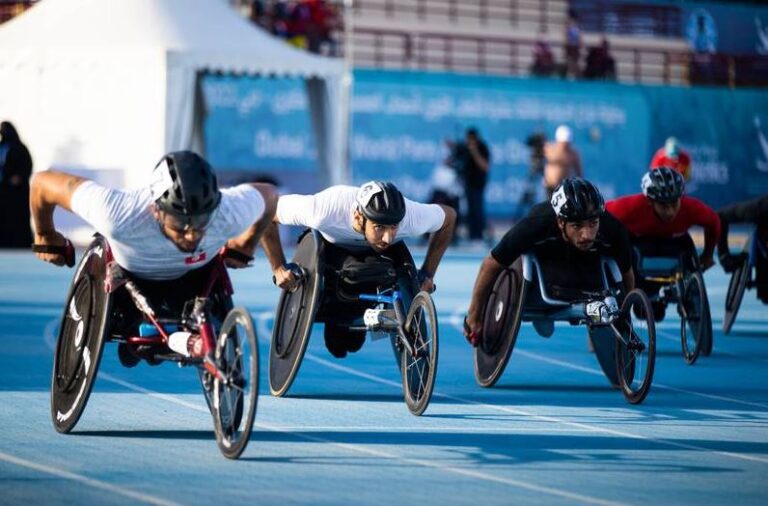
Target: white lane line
point(377, 453)
point(457, 325)
point(545, 418)
point(554, 361)
point(362, 449)
point(137, 496)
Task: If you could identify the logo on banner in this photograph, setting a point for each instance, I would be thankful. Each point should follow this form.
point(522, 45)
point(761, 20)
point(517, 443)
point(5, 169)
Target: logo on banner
point(762, 165)
point(762, 36)
point(195, 259)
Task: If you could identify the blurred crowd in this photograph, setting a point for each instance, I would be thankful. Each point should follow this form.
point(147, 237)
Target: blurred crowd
point(598, 62)
point(307, 24)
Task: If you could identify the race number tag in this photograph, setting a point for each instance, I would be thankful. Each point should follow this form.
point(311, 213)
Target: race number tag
point(161, 180)
point(558, 200)
point(367, 191)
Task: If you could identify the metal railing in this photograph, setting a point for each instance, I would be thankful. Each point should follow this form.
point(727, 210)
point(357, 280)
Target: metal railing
point(483, 12)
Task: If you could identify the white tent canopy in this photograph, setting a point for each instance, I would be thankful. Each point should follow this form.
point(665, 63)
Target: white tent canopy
point(114, 84)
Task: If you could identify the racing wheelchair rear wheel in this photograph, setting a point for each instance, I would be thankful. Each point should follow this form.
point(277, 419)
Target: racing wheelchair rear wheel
point(81, 338)
point(234, 397)
point(501, 324)
point(636, 349)
point(295, 316)
point(420, 368)
point(736, 288)
point(693, 317)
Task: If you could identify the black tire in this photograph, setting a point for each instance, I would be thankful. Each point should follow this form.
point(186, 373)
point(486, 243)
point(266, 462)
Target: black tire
point(636, 350)
point(294, 318)
point(736, 288)
point(419, 370)
point(80, 343)
point(501, 324)
point(408, 290)
point(234, 401)
point(693, 317)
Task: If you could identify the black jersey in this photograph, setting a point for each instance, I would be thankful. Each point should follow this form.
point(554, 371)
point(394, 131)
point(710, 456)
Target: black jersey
point(539, 233)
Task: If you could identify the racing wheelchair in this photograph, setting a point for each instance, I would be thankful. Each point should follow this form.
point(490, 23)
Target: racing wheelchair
point(675, 276)
point(105, 304)
point(378, 296)
point(624, 343)
point(742, 279)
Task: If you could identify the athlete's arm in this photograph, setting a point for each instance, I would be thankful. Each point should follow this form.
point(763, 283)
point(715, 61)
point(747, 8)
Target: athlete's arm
point(708, 219)
point(750, 211)
point(489, 271)
point(247, 241)
point(438, 243)
point(49, 189)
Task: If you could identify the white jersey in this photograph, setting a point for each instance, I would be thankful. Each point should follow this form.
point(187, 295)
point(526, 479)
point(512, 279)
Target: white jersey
point(331, 211)
point(138, 244)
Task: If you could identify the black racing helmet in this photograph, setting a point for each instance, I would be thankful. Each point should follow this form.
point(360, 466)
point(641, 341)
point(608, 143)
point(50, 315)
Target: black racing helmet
point(664, 185)
point(381, 202)
point(184, 185)
point(576, 199)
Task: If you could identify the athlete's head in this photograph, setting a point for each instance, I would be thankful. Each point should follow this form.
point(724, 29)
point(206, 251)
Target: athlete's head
point(380, 209)
point(672, 148)
point(578, 205)
point(664, 189)
point(186, 196)
point(563, 134)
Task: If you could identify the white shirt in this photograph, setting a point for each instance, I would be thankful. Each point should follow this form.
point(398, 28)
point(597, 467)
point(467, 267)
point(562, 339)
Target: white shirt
point(138, 244)
point(331, 211)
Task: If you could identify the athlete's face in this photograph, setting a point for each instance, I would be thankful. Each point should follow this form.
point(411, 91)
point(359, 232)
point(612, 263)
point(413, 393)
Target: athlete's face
point(581, 234)
point(666, 211)
point(184, 236)
point(380, 237)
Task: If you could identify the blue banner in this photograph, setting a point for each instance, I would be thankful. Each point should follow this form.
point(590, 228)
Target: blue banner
point(400, 121)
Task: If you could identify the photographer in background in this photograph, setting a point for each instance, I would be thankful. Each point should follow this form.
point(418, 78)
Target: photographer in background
point(473, 162)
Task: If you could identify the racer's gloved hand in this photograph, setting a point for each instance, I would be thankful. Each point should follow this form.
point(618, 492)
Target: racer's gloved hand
point(471, 332)
point(731, 262)
point(54, 248)
point(237, 255)
point(285, 277)
point(426, 284)
point(706, 261)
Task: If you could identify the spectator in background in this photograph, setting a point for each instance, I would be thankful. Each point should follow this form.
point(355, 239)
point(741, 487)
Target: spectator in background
point(572, 45)
point(543, 60)
point(702, 47)
point(600, 64)
point(563, 160)
point(15, 171)
point(535, 142)
point(474, 161)
point(673, 156)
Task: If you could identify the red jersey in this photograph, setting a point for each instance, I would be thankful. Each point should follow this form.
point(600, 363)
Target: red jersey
point(636, 214)
point(682, 163)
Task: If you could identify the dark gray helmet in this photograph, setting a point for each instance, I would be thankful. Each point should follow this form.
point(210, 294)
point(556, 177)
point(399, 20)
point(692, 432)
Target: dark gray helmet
point(576, 199)
point(184, 185)
point(381, 202)
point(664, 185)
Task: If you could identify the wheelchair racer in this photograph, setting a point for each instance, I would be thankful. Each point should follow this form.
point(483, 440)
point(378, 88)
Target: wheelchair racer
point(569, 235)
point(163, 236)
point(370, 221)
point(753, 211)
point(659, 218)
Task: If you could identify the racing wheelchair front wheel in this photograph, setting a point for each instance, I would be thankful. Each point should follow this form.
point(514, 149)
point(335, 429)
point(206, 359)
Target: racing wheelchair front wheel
point(235, 395)
point(420, 367)
point(636, 346)
point(81, 339)
point(693, 317)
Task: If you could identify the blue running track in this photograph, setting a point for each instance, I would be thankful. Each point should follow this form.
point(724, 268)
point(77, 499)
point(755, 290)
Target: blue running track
point(551, 432)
